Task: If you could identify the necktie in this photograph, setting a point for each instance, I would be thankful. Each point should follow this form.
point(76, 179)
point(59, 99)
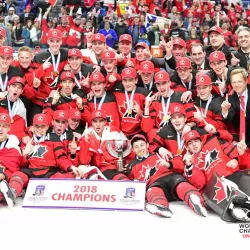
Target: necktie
point(242, 117)
point(200, 68)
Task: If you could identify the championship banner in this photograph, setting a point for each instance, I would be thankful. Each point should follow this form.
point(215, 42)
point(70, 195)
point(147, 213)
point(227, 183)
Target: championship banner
point(158, 20)
point(85, 194)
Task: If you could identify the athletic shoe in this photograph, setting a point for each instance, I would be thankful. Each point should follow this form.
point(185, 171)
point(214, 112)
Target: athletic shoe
point(241, 214)
point(159, 210)
point(8, 193)
point(196, 204)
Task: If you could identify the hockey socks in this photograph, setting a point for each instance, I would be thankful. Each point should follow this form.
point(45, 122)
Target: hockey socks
point(192, 198)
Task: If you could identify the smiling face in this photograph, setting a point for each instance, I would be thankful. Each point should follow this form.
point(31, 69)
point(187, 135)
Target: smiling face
point(40, 130)
point(4, 129)
point(244, 39)
point(74, 123)
point(198, 55)
point(125, 47)
point(109, 65)
point(239, 84)
point(14, 91)
point(139, 54)
point(129, 83)
point(75, 62)
point(140, 148)
point(218, 67)
point(24, 59)
point(98, 47)
point(147, 77)
point(184, 74)
point(98, 88)
point(216, 40)
point(204, 92)
point(179, 51)
point(178, 121)
point(54, 45)
point(5, 62)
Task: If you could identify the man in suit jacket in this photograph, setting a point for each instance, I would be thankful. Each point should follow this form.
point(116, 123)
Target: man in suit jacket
point(198, 56)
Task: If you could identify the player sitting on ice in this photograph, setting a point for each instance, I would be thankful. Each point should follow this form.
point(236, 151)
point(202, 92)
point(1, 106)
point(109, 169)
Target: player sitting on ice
point(163, 183)
point(44, 157)
point(96, 150)
point(226, 189)
point(10, 156)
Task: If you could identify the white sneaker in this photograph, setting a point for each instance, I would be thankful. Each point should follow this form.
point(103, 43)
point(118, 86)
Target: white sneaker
point(159, 210)
point(195, 201)
point(241, 214)
point(8, 193)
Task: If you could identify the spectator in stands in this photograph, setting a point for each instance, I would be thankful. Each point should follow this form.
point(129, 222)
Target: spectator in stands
point(35, 34)
point(6, 39)
point(11, 15)
point(16, 34)
point(111, 36)
point(154, 35)
point(26, 33)
point(27, 15)
point(8, 5)
point(121, 27)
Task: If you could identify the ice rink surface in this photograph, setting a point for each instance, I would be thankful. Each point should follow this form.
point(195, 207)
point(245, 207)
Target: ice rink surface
point(35, 229)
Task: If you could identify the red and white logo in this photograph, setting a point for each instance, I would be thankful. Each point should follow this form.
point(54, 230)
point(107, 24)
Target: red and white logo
point(68, 74)
point(182, 62)
point(73, 51)
point(176, 108)
point(77, 113)
point(95, 76)
point(3, 117)
point(98, 114)
point(216, 55)
point(191, 134)
point(107, 54)
point(61, 114)
point(54, 33)
point(160, 76)
point(201, 79)
point(128, 72)
point(40, 118)
point(126, 37)
point(6, 50)
point(145, 66)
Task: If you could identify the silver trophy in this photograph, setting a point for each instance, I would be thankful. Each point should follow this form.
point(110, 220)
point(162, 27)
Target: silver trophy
point(119, 149)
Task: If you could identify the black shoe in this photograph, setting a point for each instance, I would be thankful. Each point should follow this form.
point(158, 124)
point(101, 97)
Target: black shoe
point(8, 193)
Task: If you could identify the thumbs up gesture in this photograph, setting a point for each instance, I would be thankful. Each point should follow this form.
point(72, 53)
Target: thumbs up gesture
point(241, 146)
point(234, 61)
point(73, 146)
point(36, 81)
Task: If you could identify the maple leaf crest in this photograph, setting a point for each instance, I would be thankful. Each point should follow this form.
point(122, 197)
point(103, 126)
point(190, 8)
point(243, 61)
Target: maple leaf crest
point(123, 110)
point(221, 192)
point(109, 118)
point(146, 172)
point(39, 151)
point(207, 157)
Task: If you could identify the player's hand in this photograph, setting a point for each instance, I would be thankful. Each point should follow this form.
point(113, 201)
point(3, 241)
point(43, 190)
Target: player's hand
point(112, 78)
point(120, 57)
point(148, 99)
point(3, 95)
point(97, 68)
point(67, 67)
point(234, 61)
point(78, 100)
point(241, 146)
point(186, 96)
point(161, 162)
point(46, 64)
point(36, 81)
point(75, 171)
point(222, 84)
point(156, 96)
point(186, 129)
point(85, 82)
point(165, 154)
point(90, 95)
point(29, 148)
point(73, 146)
point(232, 164)
point(136, 108)
point(188, 159)
point(26, 139)
point(198, 115)
point(225, 106)
point(56, 97)
point(210, 128)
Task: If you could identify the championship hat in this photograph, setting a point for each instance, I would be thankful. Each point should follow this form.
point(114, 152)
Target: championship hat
point(6, 51)
point(54, 33)
point(98, 114)
point(203, 80)
point(183, 62)
point(129, 72)
point(97, 76)
point(61, 115)
point(125, 37)
point(75, 114)
point(217, 56)
point(5, 118)
point(40, 119)
point(177, 108)
point(16, 79)
point(67, 75)
point(193, 134)
point(161, 76)
point(137, 138)
point(98, 37)
point(108, 54)
point(147, 66)
point(74, 52)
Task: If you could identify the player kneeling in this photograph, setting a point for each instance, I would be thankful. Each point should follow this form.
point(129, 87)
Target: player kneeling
point(163, 184)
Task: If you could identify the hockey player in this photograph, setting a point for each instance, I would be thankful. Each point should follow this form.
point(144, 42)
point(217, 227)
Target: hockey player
point(156, 113)
point(44, 157)
point(209, 169)
point(130, 100)
point(94, 149)
point(163, 183)
point(10, 155)
point(12, 105)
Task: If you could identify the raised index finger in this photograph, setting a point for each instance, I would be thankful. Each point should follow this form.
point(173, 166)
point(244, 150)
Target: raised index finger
point(150, 94)
point(47, 59)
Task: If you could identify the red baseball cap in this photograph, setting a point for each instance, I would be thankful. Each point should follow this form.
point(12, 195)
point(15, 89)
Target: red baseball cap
point(137, 138)
point(161, 76)
point(74, 114)
point(54, 33)
point(74, 52)
point(97, 76)
point(217, 56)
point(141, 44)
point(98, 37)
point(40, 119)
point(6, 51)
point(98, 114)
point(177, 108)
point(61, 115)
point(183, 62)
point(129, 72)
point(147, 66)
point(125, 37)
point(179, 41)
point(16, 79)
point(2, 32)
point(108, 54)
point(193, 134)
point(5, 118)
point(216, 29)
point(203, 80)
point(67, 75)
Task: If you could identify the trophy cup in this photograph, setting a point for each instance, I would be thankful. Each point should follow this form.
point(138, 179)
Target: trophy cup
point(119, 149)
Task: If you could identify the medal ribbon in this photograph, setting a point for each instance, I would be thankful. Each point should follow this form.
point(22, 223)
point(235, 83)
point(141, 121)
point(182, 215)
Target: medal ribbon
point(206, 108)
point(129, 101)
point(101, 102)
point(77, 82)
point(245, 100)
point(3, 85)
point(180, 141)
point(3, 144)
point(55, 62)
point(12, 111)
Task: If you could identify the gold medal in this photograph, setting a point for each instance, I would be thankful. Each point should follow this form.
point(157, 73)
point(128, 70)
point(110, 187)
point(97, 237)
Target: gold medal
point(55, 74)
point(166, 118)
point(130, 111)
point(179, 151)
point(12, 121)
